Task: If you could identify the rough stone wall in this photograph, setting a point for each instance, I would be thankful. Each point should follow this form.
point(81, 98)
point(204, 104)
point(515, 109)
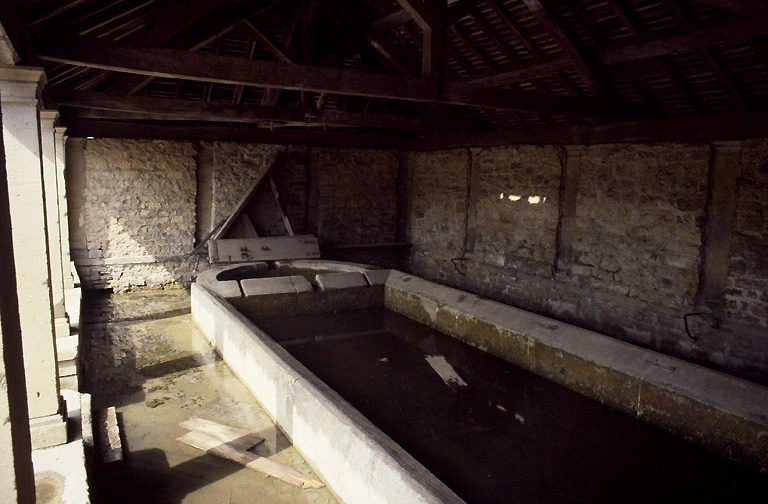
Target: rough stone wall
point(238, 165)
point(440, 182)
point(636, 246)
point(357, 195)
point(139, 212)
point(517, 207)
point(747, 292)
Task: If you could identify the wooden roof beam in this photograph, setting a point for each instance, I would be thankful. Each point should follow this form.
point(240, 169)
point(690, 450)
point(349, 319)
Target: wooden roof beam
point(418, 12)
point(233, 70)
point(752, 8)
point(140, 107)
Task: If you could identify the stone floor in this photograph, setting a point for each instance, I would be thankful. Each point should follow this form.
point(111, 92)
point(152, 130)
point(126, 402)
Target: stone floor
point(145, 356)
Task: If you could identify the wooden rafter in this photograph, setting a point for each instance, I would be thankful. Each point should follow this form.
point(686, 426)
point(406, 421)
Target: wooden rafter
point(546, 18)
point(417, 11)
point(433, 52)
point(752, 8)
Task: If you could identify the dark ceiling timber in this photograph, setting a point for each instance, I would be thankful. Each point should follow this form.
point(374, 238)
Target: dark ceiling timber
point(240, 71)
point(140, 107)
point(117, 129)
point(722, 127)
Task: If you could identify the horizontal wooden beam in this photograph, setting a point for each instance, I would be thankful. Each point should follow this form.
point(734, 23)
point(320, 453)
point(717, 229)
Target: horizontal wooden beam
point(417, 11)
point(164, 109)
point(754, 8)
point(124, 129)
point(723, 127)
point(521, 72)
point(653, 46)
point(232, 70)
point(241, 71)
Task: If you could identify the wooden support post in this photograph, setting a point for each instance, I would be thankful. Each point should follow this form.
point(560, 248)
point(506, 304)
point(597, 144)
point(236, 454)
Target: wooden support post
point(569, 188)
point(721, 211)
point(434, 41)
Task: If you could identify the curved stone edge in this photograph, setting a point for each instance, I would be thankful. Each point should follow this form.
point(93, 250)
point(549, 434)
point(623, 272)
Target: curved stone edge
point(725, 414)
point(355, 459)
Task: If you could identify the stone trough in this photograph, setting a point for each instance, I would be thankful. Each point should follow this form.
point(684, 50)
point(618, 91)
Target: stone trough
point(360, 463)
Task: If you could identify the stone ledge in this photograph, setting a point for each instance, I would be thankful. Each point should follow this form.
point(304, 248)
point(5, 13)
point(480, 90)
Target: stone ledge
point(336, 281)
point(275, 285)
point(377, 277)
point(725, 414)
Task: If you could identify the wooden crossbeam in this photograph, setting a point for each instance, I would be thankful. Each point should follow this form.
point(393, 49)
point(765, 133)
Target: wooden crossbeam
point(125, 129)
point(720, 127)
point(753, 8)
point(417, 11)
point(458, 10)
point(240, 71)
point(434, 41)
point(284, 51)
point(522, 72)
point(164, 109)
point(653, 46)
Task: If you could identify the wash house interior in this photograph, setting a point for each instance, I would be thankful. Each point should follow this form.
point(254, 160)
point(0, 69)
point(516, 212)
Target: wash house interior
point(384, 251)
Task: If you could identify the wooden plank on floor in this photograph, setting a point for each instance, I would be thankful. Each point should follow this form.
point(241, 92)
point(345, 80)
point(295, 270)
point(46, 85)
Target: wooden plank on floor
point(264, 249)
point(251, 461)
point(240, 439)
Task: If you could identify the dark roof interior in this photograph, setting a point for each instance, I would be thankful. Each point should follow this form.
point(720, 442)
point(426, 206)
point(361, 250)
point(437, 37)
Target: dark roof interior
point(490, 65)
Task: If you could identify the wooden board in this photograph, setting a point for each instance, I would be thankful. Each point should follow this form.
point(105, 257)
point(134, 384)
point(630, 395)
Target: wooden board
point(279, 160)
point(264, 249)
point(236, 438)
point(251, 461)
point(447, 372)
point(280, 207)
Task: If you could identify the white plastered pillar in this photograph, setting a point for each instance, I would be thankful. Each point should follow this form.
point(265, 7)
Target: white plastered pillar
point(66, 260)
point(50, 182)
point(19, 103)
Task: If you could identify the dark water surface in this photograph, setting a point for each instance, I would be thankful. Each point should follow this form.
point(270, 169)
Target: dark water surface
point(514, 436)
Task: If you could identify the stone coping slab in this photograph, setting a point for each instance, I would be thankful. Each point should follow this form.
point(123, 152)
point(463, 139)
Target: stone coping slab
point(336, 281)
point(354, 458)
point(377, 277)
point(276, 285)
point(723, 413)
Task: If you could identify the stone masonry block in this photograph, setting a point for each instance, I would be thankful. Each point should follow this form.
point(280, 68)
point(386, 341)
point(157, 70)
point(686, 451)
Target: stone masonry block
point(227, 289)
point(277, 285)
point(335, 281)
point(377, 277)
point(67, 347)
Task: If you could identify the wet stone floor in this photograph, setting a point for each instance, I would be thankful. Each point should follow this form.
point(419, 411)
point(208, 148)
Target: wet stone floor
point(145, 356)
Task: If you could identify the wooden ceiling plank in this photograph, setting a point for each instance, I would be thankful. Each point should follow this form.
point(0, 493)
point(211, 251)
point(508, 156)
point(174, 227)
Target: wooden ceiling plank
point(507, 22)
point(115, 18)
point(487, 61)
point(459, 10)
point(283, 51)
point(55, 12)
point(168, 18)
point(547, 20)
point(488, 32)
point(522, 72)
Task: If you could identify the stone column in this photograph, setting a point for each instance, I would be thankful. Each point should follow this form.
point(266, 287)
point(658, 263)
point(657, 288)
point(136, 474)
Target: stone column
point(17, 481)
point(19, 91)
point(66, 260)
point(50, 183)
